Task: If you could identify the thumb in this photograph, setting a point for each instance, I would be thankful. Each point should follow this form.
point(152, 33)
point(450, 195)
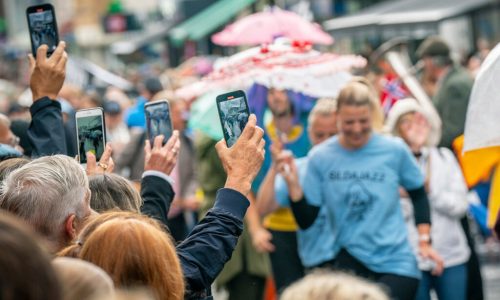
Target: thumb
point(32, 63)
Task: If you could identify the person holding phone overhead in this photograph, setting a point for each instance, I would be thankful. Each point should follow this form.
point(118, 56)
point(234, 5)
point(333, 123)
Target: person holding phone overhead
point(356, 177)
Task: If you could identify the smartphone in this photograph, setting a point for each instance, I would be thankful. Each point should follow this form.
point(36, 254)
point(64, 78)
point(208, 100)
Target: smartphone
point(233, 114)
point(43, 27)
point(90, 132)
point(158, 121)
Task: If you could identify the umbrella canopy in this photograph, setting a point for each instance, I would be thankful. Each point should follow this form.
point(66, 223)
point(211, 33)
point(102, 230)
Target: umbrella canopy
point(296, 67)
point(482, 123)
point(265, 27)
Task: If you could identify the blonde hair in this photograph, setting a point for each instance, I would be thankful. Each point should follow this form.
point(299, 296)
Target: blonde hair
point(112, 191)
point(339, 286)
point(82, 280)
point(359, 92)
point(323, 107)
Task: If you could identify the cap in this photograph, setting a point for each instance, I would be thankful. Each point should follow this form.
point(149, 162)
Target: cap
point(112, 107)
point(433, 46)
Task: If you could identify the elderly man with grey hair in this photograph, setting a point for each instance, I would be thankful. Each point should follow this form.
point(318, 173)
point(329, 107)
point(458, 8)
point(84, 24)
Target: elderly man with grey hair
point(52, 195)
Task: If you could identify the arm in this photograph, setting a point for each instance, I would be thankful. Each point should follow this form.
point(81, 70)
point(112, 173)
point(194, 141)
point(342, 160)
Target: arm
point(266, 202)
point(46, 131)
point(450, 199)
point(210, 245)
point(305, 213)
point(422, 220)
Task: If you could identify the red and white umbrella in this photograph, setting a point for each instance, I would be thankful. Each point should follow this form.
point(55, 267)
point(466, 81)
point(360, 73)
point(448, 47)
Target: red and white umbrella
point(264, 27)
point(295, 67)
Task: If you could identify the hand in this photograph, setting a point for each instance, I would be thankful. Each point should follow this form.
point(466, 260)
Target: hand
point(47, 74)
point(243, 160)
point(162, 158)
point(426, 251)
point(261, 240)
point(105, 164)
point(276, 148)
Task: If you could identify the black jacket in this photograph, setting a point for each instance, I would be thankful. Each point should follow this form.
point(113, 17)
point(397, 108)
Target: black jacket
point(209, 246)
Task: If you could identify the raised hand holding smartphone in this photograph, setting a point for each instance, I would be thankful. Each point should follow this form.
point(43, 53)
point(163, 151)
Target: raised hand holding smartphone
point(158, 120)
point(91, 133)
point(42, 27)
point(233, 114)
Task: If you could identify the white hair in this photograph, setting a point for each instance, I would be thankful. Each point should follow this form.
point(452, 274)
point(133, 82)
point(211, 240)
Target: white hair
point(323, 107)
point(328, 285)
point(45, 192)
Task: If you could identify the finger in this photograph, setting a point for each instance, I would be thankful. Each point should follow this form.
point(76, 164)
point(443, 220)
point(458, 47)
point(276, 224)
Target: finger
point(147, 147)
point(257, 135)
point(158, 141)
point(111, 166)
point(91, 163)
point(249, 129)
point(61, 65)
point(106, 155)
point(41, 54)
point(262, 144)
point(32, 62)
point(221, 148)
point(171, 141)
point(58, 53)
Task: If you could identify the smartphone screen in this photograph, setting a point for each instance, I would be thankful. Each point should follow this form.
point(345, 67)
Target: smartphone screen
point(43, 27)
point(158, 121)
point(233, 114)
point(90, 133)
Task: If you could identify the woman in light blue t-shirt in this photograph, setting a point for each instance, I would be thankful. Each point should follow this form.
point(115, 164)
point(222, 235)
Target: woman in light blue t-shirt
point(356, 176)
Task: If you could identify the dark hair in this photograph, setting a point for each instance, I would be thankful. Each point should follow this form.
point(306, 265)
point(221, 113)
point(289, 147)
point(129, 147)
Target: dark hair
point(26, 269)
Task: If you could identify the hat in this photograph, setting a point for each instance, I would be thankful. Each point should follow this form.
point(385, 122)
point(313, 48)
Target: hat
point(433, 46)
point(112, 107)
point(408, 105)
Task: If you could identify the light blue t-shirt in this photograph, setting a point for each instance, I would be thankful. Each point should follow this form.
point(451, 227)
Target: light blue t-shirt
point(316, 242)
point(360, 189)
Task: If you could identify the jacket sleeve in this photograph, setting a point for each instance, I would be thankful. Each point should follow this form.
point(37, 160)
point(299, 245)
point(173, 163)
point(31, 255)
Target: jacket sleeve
point(46, 132)
point(210, 245)
point(451, 197)
point(157, 195)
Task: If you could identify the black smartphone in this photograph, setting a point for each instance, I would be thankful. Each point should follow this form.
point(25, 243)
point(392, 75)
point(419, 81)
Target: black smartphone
point(90, 132)
point(233, 114)
point(158, 121)
point(43, 27)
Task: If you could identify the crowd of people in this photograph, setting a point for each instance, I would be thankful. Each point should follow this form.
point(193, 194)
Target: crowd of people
point(345, 198)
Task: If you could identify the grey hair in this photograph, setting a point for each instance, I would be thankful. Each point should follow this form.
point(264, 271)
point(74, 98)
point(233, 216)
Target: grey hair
point(323, 107)
point(45, 192)
point(112, 191)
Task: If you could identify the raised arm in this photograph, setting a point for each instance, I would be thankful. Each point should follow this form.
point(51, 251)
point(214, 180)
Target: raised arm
point(46, 132)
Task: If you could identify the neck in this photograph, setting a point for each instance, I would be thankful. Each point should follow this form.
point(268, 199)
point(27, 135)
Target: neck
point(348, 146)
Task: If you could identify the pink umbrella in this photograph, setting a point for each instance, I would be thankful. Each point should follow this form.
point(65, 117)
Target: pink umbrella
point(264, 27)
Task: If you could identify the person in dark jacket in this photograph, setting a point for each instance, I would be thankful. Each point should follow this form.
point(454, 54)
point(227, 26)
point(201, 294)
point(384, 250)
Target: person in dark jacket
point(210, 244)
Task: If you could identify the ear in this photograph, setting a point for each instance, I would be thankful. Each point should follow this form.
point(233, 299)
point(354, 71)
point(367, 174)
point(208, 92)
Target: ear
point(70, 226)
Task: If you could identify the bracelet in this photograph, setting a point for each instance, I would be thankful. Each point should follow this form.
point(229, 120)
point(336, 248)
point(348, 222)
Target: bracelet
point(424, 238)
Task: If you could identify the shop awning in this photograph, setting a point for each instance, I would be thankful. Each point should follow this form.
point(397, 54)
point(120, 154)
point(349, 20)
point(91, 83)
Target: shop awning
point(207, 21)
point(406, 12)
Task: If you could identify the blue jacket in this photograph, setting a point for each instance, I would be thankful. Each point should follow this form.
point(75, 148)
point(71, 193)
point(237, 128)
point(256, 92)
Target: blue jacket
point(211, 243)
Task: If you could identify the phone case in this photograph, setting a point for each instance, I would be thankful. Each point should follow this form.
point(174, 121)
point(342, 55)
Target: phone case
point(232, 116)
